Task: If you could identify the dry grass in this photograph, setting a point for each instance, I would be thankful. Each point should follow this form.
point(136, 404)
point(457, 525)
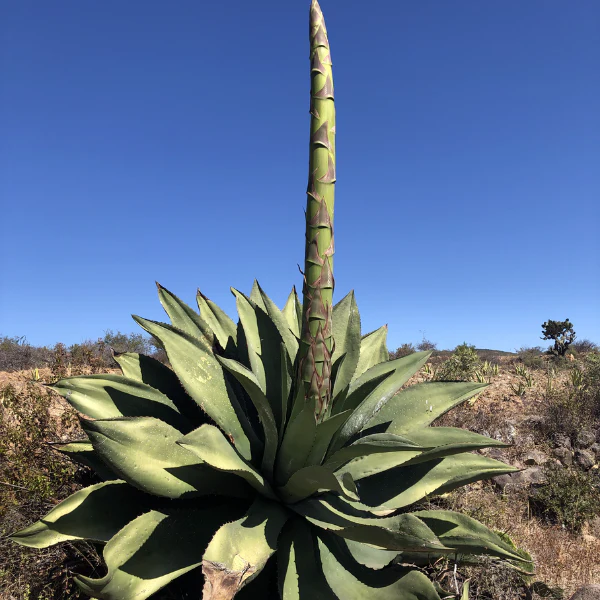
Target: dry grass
point(561, 558)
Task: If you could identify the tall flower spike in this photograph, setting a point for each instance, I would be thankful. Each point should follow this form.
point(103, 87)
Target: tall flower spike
point(316, 345)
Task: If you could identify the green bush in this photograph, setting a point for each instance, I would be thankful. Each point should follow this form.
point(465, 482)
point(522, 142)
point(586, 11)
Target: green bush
point(463, 365)
point(570, 498)
point(531, 357)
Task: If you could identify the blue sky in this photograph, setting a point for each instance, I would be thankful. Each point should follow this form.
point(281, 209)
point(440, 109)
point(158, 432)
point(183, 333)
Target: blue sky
point(147, 141)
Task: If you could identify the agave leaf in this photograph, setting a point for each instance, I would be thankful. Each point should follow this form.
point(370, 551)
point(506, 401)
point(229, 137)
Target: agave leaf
point(340, 398)
point(445, 441)
point(300, 572)
point(248, 318)
point(346, 334)
point(296, 443)
point(348, 579)
point(437, 442)
point(256, 296)
point(366, 466)
point(292, 312)
point(291, 343)
point(375, 402)
point(404, 485)
point(466, 534)
point(325, 432)
point(419, 405)
point(107, 396)
point(143, 451)
point(403, 532)
point(82, 452)
point(203, 378)
point(297, 404)
point(94, 513)
point(210, 445)
point(377, 443)
point(218, 321)
point(239, 551)
point(250, 383)
point(310, 480)
point(137, 558)
point(370, 556)
point(184, 318)
point(362, 386)
point(152, 372)
point(372, 350)
point(287, 382)
point(263, 340)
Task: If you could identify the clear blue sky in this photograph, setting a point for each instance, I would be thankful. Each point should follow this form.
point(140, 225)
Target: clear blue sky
point(168, 141)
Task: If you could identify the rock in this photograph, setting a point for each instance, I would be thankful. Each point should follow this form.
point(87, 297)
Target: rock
point(495, 453)
point(510, 432)
point(595, 448)
point(521, 479)
point(564, 455)
point(585, 439)
point(523, 441)
point(502, 481)
point(535, 457)
point(562, 440)
point(529, 476)
point(585, 459)
point(587, 592)
point(535, 422)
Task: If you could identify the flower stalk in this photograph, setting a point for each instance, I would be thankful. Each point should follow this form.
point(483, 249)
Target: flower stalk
point(316, 338)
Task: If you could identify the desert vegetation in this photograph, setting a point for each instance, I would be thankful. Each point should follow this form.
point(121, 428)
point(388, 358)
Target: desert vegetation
point(549, 511)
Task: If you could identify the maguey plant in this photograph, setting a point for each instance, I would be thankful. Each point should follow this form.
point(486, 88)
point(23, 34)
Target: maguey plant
point(288, 436)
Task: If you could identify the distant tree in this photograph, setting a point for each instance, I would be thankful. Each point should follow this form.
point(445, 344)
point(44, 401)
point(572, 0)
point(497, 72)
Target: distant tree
point(127, 342)
point(403, 350)
point(561, 332)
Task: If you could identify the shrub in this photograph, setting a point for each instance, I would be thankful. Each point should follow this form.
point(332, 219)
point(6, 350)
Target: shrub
point(570, 498)
point(463, 365)
point(575, 405)
point(425, 345)
point(16, 354)
point(584, 346)
point(33, 477)
point(531, 357)
point(403, 350)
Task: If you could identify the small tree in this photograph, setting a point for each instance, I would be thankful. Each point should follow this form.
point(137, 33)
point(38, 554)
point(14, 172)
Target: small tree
point(425, 345)
point(561, 332)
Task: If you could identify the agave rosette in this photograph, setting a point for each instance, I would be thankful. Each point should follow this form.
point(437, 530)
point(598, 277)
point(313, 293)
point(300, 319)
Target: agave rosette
point(218, 463)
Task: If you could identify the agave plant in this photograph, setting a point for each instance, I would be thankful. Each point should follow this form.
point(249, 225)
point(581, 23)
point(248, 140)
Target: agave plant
point(288, 434)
